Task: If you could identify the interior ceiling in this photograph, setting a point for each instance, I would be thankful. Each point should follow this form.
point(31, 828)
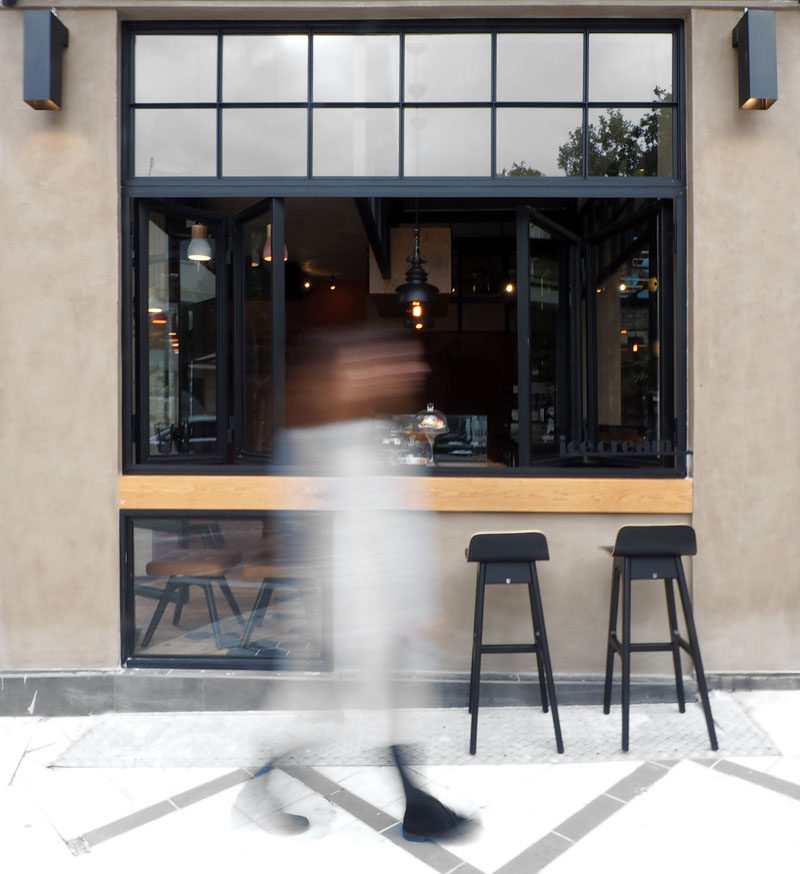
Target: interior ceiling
point(326, 238)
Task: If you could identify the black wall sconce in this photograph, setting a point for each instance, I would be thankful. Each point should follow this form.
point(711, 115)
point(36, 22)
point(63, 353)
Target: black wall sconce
point(754, 38)
point(45, 39)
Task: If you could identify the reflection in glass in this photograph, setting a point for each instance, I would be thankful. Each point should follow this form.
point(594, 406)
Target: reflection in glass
point(628, 346)
point(207, 588)
point(356, 142)
point(540, 66)
point(175, 68)
point(625, 142)
point(175, 142)
point(447, 142)
point(529, 141)
point(181, 341)
point(448, 67)
point(630, 66)
point(545, 314)
point(264, 142)
point(265, 68)
point(257, 350)
point(356, 69)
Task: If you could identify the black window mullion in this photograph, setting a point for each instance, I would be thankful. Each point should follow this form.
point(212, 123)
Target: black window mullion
point(493, 145)
point(219, 105)
point(401, 107)
point(309, 111)
point(523, 337)
point(278, 314)
point(585, 143)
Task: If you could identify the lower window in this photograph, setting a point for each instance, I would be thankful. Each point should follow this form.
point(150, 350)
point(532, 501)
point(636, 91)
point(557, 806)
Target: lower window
point(199, 590)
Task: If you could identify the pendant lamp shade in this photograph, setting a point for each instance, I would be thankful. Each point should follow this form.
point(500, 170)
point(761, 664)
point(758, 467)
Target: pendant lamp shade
point(416, 288)
point(267, 252)
point(199, 246)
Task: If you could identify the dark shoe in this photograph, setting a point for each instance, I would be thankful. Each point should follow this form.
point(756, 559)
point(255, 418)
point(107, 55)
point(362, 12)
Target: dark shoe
point(426, 817)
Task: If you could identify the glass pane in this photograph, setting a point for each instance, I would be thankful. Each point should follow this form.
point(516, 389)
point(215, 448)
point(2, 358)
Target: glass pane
point(539, 142)
point(540, 66)
point(357, 69)
point(447, 142)
point(545, 316)
point(182, 337)
point(282, 628)
point(264, 142)
point(630, 66)
point(448, 67)
point(628, 347)
point(265, 68)
point(356, 142)
point(257, 390)
point(629, 142)
point(175, 142)
point(175, 68)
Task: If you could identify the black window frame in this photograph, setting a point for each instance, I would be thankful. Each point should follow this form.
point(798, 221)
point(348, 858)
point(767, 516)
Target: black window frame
point(517, 190)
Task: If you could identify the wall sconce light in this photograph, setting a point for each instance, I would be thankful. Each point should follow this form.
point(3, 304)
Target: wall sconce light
point(755, 40)
point(45, 39)
point(333, 284)
point(267, 252)
point(199, 248)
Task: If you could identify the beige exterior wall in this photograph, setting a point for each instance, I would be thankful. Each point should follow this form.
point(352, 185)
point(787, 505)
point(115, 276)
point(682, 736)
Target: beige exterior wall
point(745, 231)
point(60, 379)
point(59, 342)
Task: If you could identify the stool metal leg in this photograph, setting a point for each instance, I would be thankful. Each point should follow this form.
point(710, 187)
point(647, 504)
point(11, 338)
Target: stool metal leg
point(695, 653)
point(477, 622)
point(543, 651)
point(675, 639)
point(539, 659)
point(612, 638)
point(626, 652)
point(226, 591)
point(169, 588)
point(475, 679)
point(259, 609)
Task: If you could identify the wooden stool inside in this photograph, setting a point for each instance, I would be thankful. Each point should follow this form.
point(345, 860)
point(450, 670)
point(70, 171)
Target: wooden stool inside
point(193, 567)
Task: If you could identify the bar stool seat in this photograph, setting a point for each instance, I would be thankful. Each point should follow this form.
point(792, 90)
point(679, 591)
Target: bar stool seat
point(509, 557)
point(193, 567)
point(652, 552)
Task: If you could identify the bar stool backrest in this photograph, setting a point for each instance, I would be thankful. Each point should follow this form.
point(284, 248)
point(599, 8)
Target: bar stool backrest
point(656, 540)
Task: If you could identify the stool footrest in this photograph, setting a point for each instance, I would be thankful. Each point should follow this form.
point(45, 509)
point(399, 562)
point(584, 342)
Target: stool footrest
point(508, 647)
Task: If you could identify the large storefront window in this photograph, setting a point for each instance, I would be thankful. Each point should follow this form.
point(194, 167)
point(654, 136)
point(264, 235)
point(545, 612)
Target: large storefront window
point(274, 176)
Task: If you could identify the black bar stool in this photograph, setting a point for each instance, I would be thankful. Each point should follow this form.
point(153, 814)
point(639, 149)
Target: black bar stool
point(652, 552)
point(510, 557)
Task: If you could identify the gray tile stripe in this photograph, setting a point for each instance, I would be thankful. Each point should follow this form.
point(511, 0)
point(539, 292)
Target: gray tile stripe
point(118, 827)
point(768, 781)
point(577, 826)
point(441, 860)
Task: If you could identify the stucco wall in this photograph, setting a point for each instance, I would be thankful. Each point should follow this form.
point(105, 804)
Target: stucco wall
point(745, 231)
point(59, 346)
point(59, 383)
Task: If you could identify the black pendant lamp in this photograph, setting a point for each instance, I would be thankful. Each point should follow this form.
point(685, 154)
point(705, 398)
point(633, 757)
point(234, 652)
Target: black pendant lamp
point(416, 293)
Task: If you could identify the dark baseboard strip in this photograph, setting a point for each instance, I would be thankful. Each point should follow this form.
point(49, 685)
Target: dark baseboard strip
point(151, 691)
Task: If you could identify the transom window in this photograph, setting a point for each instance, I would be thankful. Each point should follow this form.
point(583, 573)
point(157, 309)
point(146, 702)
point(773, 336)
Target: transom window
point(494, 102)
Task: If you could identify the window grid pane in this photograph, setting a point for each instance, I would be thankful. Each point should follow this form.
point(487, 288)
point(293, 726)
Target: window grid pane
point(359, 77)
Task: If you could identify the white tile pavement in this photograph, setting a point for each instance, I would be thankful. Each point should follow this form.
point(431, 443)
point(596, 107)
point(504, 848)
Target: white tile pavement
point(121, 792)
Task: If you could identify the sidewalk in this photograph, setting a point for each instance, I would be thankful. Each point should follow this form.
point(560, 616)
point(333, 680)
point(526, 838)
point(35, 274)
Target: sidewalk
point(157, 792)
